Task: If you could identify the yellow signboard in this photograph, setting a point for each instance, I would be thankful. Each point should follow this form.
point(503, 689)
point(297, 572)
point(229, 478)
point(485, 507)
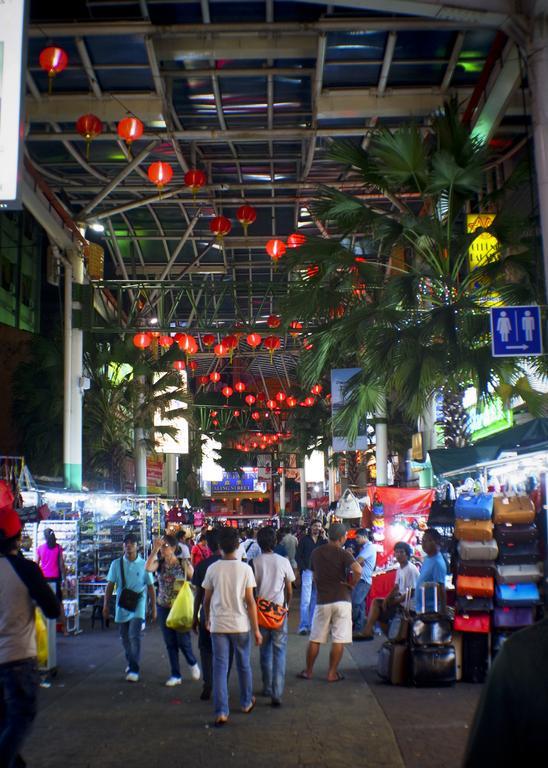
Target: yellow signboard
point(484, 248)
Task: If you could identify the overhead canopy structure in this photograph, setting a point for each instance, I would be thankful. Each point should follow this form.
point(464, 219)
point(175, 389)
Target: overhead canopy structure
point(531, 437)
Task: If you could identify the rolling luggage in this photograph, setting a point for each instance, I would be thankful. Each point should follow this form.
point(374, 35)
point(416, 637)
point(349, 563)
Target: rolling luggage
point(477, 623)
point(475, 657)
point(474, 506)
point(513, 618)
point(514, 509)
point(517, 595)
point(474, 604)
point(519, 574)
point(431, 630)
point(457, 645)
point(516, 534)
point(476, 568)
point(398, 628)
point(475, 586)
point(474, 530)
point(519, 554)
point(430, 598)
point(433, 665)
point(478, 550)
point(393, 663)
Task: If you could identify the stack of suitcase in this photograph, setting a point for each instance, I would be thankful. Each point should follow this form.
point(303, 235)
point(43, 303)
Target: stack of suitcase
point(475, 584)
point(518, 569)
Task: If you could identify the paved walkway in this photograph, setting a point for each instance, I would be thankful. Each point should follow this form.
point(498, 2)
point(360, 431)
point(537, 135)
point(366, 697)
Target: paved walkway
point(91, 717)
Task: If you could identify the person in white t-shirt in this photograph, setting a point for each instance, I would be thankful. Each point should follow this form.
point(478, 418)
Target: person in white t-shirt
point(384, 609)
point(274, 576)
point(230, 612)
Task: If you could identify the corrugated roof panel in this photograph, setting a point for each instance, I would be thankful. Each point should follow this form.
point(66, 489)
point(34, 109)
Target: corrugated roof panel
point(423, 45)
point(108, 50)
point(355, 45)
point(125, 79)
point(360, 73)
point(425, 74)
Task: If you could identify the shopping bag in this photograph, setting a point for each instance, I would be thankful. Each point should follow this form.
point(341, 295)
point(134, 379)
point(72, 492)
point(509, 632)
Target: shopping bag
point(182, 610)
point(41, 639)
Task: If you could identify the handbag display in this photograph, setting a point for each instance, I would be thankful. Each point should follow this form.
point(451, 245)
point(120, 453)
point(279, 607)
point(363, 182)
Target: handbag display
point(477, 568)
point(431, 630)
point(517, 595)
point(442, 514)
point(472, 622)
point(515, 533)
point(519, 550)
point(478, 550)
point(474, 604)
point(270, 615)
point(474, 530)
point(475, 586)
point(348, 506)
point(519, 574)
point(128, 599)
point(474, 506)
point(513, 618)
point(513, 509)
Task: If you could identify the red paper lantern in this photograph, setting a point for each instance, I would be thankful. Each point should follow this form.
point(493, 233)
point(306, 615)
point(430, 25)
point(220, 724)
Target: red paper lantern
point(309, 402)
point(296, 326)
point(193, 365)
point(312, 271)
point(254, 444)
point(208, 340)
point(187, 343)
point(254, 340)
point(160, 174)
point(255, 415)
point(262, 446)
point(179, 365)
point(213, 414)
point(89, 126)
point(203, 380)
point(272, 343)
point(296, 240)
point(165, 341)
point(53, 60)
point(220, 226)
point(215, 423)
point(215, 376)
point(291, 402)
point(130, 129)
point(230, 341)
point(250, 399)
point(316, 389)
point(236, 413)
point(261, 397)
point(221, 350)
point(142, 340)
point(275, 249)
point(246, 215)
point(239, 386)
point(271, 404)
point(274, 321)
point(227, 392)
point(280, 396)
point(195, 180)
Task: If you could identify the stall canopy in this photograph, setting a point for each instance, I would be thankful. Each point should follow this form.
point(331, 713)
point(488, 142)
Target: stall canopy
point(525, 438)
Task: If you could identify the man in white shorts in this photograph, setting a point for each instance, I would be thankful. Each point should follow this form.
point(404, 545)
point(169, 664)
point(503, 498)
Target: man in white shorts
point(335, 574)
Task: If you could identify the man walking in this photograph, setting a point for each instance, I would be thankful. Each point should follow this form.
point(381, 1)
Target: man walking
point(335, 573)
point(290, 542)
point(21, 586)
point(306, 547)
point(367, 558)
point(133, 584)
point(274, 576)
point(229, 611)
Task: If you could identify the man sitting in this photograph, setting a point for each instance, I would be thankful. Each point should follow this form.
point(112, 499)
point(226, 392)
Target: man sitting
point(384, 609)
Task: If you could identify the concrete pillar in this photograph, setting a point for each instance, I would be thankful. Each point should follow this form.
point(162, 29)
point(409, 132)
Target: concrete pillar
point(76, 372)
point(171, 474)
point(282, 490)
point(331, 476)
point(427, 425)
point(140, 451)
point(381, 435)
point(538, 77)
point(304, 508)
point(67, 380)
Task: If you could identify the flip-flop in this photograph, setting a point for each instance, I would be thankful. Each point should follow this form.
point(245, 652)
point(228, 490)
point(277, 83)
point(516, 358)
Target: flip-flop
point(304, 675)
point(339, 677)
point(220, 721)
point(251, 706)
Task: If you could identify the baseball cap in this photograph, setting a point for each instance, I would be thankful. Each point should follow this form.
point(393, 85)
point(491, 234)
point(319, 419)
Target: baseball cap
point(10, 525)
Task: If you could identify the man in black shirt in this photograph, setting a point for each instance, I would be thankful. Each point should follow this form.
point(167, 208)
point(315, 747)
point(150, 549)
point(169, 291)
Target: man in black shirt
point(198, 623)
point(307, 545)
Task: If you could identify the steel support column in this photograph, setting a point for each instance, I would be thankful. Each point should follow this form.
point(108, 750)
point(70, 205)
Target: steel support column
point(76, 373)
point(381, 434)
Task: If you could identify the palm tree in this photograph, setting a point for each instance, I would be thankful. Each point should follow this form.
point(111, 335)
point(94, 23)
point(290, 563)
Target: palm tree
point(390, 291)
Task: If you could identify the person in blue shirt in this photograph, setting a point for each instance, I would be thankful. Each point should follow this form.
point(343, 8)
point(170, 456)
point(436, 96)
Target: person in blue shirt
point(434, 567)
point(367, 558)
point(136, 578)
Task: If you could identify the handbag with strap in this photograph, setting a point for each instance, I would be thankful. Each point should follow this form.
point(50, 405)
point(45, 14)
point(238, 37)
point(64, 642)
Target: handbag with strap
point(474, 530)
point(348, 506)
point(128, 598)
point(270, 615)
point(514, 509)
point(474, 506)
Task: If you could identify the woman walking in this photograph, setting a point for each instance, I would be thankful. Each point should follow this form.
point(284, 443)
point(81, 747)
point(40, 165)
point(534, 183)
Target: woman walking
point(172, 572)
point(49, 557)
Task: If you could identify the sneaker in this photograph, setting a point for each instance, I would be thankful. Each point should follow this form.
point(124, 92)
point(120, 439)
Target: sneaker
point(304, 632)
point(173, 681)
point(132, 677)
point(195, 673)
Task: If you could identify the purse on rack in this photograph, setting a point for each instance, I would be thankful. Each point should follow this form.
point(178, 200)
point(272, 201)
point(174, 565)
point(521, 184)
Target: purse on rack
point(128, 598)
point(348, 505)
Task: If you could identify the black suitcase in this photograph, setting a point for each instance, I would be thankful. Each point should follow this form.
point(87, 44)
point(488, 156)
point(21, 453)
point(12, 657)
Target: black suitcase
point(474, 604)
point(477, 568)
point(516, 534)
point(433, 665)
point(431, 629)
point(475, 657)
point(442, 514)
point(523, 554)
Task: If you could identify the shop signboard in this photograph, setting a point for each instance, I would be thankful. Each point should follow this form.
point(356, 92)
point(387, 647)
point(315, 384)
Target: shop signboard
point(12, 55)
point(488, 419)
point(234, 482)
point(264, 468)
point(155, 476)
point(339, 380)
point(484, 248)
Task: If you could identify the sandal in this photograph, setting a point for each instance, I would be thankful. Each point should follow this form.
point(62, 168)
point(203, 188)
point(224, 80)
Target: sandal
point(220, 721)
point(251, 706)
point(339, 677)
point(304, 675)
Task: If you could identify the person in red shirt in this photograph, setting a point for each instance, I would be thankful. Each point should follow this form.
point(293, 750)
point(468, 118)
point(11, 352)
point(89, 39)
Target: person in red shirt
point(199, 552)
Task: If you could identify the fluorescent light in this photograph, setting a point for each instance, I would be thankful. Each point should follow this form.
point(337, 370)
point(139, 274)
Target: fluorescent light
point(96, 226)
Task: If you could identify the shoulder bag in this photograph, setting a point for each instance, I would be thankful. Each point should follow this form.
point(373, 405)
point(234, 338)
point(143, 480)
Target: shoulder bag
point(128, 599)
point(270, 615)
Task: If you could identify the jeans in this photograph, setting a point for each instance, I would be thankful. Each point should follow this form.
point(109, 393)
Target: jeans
point(222, 642)
point(130, 633)
point(273, 654)
point(308, 600)
point(175, 642)
point(359, 595)
point(19, 684)
point(206, 654)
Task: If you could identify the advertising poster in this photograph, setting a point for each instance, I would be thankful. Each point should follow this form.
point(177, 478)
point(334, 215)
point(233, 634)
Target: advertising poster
point(264, 468)
point(12, 38)
point(339, 380)
point(155, 476)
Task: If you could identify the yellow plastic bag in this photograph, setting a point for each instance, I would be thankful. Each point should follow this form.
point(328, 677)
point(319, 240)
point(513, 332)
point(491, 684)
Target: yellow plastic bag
point(182, 610)
point(41, 639)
